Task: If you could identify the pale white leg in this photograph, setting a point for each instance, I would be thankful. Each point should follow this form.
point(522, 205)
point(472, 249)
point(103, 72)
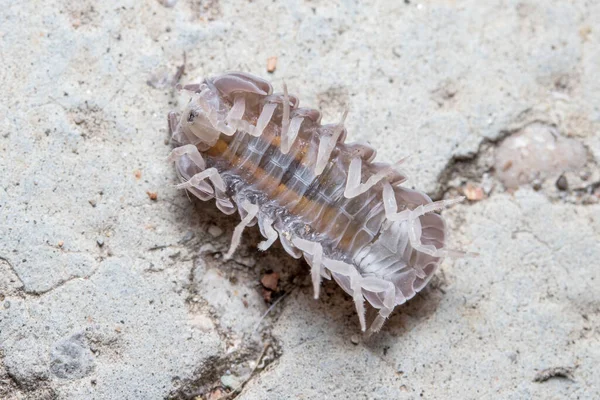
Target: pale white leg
point(224, 204)
point(288, 140)
point(191, 151)
point(326, 146)
point(339, 267)
point(359, 300)
point(316, 251)
point(267, 226)
point(389, 300)
point(342, 268)
point(210, 173)
point(414, 226)
point(172, 122)
point(414, 231)
point(391, 205)
point(237, 111)
point(353, 185)
point(263, 119)
point(239, 229)
point(195, 87)
point(285, 120)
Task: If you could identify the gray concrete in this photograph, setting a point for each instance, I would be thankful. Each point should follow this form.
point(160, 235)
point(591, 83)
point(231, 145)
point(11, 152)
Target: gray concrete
point(106, 293)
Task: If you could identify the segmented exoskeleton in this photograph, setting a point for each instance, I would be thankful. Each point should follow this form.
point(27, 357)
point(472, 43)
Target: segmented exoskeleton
point(260, 153)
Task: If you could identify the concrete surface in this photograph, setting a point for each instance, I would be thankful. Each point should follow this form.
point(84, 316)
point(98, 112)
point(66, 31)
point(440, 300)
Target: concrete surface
point(108, 294)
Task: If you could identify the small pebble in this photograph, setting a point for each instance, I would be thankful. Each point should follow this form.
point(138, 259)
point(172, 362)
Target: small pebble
point(473, 192)
point(215, 231)
point(230, 381)
point(355, 339)
point(271, 64)
point(152, 195)
point(100, 242)
point(92, 203)
point(270, 281)
point(562, 183)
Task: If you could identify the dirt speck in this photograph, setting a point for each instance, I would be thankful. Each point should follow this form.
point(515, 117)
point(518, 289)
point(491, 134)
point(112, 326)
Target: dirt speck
point(152, 195)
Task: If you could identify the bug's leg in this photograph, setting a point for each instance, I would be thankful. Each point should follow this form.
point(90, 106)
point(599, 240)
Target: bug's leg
point(194, 87)
point(266, 227)
point(326, 146)
point(224, 203)
point(391, 205)
point(389, 300)
point(316, 251)
point(239, 229)
point(191, 151)
point(414, 226)
point(285, 120)
point(210, 173)
point(353, 185)
point(263, 119)
point(172, 118)
point(342, 268)
point(288, 140)
point(359, 299)
point(237, 111)
point(289, 129)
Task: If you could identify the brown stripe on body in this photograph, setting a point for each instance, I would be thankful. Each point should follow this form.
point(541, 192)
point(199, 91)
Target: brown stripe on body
point(274, 190)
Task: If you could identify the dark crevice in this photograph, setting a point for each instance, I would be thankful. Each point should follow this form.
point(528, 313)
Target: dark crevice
point(479, 165)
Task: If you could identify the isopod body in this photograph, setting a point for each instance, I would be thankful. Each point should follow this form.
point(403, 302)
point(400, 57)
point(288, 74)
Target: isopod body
point(261, 154)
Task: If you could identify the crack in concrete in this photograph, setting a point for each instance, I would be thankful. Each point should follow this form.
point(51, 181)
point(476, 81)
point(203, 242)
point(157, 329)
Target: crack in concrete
point(207, 377)
point(36, 293)
point(12, 268)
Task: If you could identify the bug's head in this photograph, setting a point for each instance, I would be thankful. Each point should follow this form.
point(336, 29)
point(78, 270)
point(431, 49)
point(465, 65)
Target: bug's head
point(205, 117)
point(198, 122)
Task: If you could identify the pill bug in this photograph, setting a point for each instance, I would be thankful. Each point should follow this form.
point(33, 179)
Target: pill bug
point(261, 154)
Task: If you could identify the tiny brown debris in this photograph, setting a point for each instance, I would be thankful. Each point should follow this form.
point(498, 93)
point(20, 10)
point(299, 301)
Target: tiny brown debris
point(557, 372)
point(137, 173)
point(270, 281)
point(584, 32)
point(152, 195)
point(271, 64)
point(266, 293)
point(61, 243)
point(216, 394)
point(472, 192)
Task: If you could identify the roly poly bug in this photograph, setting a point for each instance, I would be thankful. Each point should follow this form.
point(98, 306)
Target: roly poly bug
point(258, 152)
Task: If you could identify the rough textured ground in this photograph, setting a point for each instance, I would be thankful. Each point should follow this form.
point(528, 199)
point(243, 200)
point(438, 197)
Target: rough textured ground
point(106, 293)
